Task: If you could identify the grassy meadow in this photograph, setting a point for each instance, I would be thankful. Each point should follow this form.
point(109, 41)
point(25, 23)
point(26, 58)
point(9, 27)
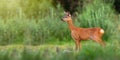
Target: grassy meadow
point(89, 51)
point(33, 30)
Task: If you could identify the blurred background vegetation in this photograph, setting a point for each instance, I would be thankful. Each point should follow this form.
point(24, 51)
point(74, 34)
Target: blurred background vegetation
point(26, 25)
point(36, 22)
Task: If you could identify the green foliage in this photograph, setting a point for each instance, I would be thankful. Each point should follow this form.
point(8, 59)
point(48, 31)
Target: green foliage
point(35, 22)
point(21, 30)
point(28, 31)
point(90, 51)
point(99, 14)
point(35, 8)
point(25, 8)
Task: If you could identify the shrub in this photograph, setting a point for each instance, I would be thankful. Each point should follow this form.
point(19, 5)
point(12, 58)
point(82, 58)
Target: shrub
point(99, 14)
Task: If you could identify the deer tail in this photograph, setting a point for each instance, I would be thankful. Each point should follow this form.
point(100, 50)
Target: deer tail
point(102, 31)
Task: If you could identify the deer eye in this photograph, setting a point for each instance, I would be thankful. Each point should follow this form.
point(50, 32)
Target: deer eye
point(69, 15)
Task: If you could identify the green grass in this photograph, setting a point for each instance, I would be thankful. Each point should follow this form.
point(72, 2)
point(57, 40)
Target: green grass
point(90, 51)
point(48, 27)
point(32, 30)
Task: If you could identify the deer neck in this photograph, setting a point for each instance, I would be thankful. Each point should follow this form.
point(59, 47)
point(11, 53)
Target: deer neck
point(71, 25)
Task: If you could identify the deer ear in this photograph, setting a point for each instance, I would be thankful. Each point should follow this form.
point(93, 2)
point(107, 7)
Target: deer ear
point(69, 15)
point(66, 13)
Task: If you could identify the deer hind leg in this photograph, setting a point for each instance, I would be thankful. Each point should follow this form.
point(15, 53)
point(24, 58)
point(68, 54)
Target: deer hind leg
point(99, 40)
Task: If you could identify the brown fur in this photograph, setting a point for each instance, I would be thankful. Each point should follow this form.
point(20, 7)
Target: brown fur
point(79, 34)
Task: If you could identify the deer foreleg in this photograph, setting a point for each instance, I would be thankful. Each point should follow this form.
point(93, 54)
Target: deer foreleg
point(78, 45)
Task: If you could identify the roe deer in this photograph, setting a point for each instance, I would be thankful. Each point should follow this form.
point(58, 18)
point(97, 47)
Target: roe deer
point(79, 34)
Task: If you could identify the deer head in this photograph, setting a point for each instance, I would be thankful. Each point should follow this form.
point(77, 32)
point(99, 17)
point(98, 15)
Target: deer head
point(67, 17)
